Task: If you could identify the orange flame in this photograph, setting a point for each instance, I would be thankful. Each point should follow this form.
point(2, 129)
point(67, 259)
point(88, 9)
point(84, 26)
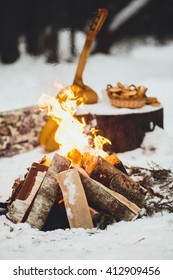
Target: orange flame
point(70, 133)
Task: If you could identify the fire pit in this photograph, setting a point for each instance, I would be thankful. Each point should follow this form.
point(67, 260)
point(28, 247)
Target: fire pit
point(81, 182)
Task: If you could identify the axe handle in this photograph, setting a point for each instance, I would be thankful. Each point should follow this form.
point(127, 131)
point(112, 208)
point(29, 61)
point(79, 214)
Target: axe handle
point(94, 29)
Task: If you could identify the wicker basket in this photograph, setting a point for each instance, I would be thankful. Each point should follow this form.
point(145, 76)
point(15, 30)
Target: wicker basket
point(127, 103)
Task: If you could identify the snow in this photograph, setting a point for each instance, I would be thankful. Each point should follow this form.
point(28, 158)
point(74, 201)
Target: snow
point(21, 85)
point(70, 187)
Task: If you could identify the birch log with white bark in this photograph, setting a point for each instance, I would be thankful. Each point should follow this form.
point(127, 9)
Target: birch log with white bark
point(75, 201)
point(107, 174)
point(107, 201)
point(48, 192)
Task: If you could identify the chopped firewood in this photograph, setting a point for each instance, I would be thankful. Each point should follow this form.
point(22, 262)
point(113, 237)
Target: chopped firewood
point(34, 171)
point(22, 188)
point(114, 160)
point(107, 201)
point(18, 209)
point(110, 176)
point(59, 196)
point(48, 192)
point(89, 161)
point(15, 189)
point(76, 205)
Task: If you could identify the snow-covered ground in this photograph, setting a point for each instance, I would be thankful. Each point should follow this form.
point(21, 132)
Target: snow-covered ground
point(21, 84)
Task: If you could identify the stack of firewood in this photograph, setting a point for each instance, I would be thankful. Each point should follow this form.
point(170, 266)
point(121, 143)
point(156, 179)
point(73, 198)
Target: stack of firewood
point(59, 194)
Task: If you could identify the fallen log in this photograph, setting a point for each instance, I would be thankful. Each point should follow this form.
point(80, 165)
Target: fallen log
point(48, 192)
point(75, 201)
point(20, 129)
point(107, 174)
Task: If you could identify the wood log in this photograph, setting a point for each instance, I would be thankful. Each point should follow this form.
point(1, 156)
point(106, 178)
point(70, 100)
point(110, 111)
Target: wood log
point(107, 201)
point(48, 192)
point(24, 186)
point(15, 190)
point(35, 171)
point(111, 177)
point(20, 129)
point(115, 161)
point(22, 200)
point(89, 161)
point(76, 204)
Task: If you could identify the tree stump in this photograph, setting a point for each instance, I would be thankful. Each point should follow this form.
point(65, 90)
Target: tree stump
point(125, 131)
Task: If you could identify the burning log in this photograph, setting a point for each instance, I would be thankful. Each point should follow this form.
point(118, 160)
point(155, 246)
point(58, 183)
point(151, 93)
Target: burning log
point(76, 204)
point(57, 196)
point(48, 192)
point(105, 200)
point(107, 174)
point(24, 193)
point(89, 162)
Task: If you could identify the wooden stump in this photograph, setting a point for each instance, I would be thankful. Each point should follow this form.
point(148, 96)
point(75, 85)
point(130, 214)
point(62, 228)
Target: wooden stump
point(126, 131)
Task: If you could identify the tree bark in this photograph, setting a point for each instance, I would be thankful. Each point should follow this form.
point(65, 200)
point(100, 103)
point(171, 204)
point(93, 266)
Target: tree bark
point(107, 201)
point(48, 192)
point(75, 201)
point(20, 129)
point(111, 177)
point(22, 201)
